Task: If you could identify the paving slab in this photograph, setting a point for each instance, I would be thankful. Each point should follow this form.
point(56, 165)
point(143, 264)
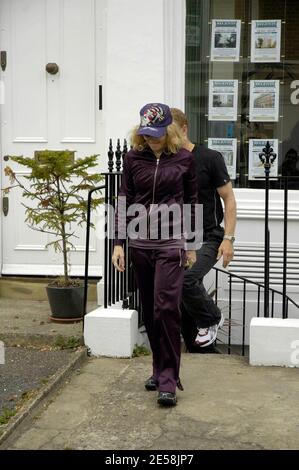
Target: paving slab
point(226, 404)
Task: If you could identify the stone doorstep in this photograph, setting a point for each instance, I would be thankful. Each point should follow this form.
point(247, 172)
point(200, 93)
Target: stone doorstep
point(111, 332)
point(28, 288)
point(43, 394)
point(274, 342)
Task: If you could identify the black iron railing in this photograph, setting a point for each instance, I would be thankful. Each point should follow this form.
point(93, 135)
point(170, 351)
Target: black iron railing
point(267, 157)
point(118, 287)
point(237, 320)
point(90, 193)
point(121, 287)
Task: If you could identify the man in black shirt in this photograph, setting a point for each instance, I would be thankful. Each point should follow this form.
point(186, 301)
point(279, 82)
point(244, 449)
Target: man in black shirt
point(201, 318)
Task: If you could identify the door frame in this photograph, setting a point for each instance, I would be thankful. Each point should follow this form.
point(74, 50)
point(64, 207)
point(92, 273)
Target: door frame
point(1, 155)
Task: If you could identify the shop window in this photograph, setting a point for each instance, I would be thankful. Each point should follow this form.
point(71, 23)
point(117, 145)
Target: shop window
point(242, 83)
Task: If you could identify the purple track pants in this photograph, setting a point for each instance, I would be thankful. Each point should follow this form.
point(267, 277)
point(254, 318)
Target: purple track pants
point(159, 275)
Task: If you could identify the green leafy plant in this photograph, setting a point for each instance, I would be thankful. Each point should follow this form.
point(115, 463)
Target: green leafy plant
point(67, 343)
point(140, 351)
point(57, 183)
point(6, 414)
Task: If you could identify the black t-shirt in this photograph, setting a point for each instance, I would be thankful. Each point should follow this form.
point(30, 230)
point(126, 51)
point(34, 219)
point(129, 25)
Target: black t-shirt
point(211, 174)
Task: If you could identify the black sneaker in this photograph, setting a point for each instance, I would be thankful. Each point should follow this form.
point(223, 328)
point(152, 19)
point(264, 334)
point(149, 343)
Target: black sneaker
point(167, 399)
point(151, 384)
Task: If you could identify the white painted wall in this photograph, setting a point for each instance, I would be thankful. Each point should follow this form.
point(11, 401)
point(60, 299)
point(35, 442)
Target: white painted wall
point(135, 62)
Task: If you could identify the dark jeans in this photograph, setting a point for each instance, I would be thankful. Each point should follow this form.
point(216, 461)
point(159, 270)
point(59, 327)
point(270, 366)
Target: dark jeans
point(198, 308)
point(159, 276)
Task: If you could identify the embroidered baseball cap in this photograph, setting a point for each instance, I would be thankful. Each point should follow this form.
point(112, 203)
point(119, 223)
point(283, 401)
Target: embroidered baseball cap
point(154, 119)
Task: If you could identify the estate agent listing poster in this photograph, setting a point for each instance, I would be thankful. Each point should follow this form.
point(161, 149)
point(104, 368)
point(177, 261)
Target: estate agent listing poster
point(225, 40)
point(228, 149)
point(265, 40)
point(255, 166)
point(223, 97)
point(264, 100)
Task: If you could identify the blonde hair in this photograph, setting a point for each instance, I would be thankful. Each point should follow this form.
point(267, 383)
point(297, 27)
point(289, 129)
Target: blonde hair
point(174, 139)
point(179, 117)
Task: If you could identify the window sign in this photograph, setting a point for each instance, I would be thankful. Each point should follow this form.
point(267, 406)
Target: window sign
point(265, 40)
point(242, 82)
point(228, 149)
point(256, 167)
point(225, 40)
point(294, 98)
point(264, 100)
point(223, 97)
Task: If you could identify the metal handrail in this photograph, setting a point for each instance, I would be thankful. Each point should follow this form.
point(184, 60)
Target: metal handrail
point(249, 281)
point(245, 282)
point(97, 188)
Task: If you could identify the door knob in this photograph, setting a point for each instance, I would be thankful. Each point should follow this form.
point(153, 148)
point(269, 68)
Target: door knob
point(52, 68)
point(3, 58)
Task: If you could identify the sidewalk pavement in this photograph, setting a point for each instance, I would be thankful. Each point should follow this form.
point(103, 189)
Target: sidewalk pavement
point(24, 322)
point(25, 313)
point(38, 353)
point(226, 404)
point(102, 403)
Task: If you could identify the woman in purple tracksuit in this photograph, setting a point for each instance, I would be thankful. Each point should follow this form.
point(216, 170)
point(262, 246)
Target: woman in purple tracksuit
point(159, 177)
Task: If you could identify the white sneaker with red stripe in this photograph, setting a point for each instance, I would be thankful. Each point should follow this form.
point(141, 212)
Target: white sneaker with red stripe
point(207, 336)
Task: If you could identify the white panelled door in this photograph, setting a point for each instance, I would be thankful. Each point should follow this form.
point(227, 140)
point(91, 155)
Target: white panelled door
point(49, 111)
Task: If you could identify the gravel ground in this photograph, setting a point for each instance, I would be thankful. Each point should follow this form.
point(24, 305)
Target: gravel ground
point(25, 370)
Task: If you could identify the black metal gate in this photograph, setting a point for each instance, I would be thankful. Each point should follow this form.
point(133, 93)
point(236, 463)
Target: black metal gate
point(118, 287)
point(121, 287)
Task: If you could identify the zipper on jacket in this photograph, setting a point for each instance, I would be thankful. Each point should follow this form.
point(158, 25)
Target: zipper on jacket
point(155, 177)
point(153, 198)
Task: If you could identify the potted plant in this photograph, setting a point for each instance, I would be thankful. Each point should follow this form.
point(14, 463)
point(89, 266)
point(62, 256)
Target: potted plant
point(57, 183)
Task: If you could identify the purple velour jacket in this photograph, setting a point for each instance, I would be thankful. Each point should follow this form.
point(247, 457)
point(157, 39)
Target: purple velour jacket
point(156, 185)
